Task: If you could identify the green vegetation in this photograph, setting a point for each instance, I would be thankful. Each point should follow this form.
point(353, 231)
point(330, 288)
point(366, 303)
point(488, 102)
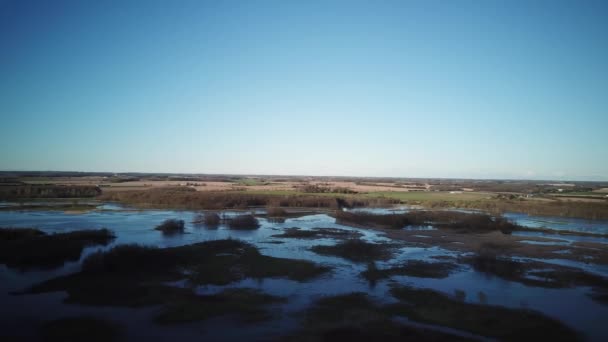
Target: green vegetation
point(357, 250)
point(411, 268)
point(26, 248)
point(171, 226)
point(81, 328)
point(317, 233)
point(432, 307)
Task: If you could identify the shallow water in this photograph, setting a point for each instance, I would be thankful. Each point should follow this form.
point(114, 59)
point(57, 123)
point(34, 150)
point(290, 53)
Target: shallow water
point(19, 313)
point(560, 223)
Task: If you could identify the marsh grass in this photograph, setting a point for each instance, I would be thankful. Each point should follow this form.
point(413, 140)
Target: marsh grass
point(133, 276)
point(357, 250)
point(428, 306)
point(32, 248)
point(316, 233)
point(191, 199)
point(12, 234)
point(243, 222)
point(355, 317)
point(454, 220)
point(411, 268)
point(249, 305)
point(171, 226)
point(81, 328)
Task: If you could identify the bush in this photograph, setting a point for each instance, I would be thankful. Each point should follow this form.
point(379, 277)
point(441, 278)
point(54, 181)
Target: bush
point(275, 212)
point(212, 219)
point(244, 222)
point(171, 226)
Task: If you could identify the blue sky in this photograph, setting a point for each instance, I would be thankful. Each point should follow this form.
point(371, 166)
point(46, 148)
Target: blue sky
point(475, 89)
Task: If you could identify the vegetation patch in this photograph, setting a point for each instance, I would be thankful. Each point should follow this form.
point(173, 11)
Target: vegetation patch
point(81, 328)
point(455, 220)
point(11, 234)
point(506, 324)
point(411, 268)
point(317, 233)
point(534, 273)
point(27, 248)
point(171, 226)
point(249, 305)
point(244, 222)
point(52, 207)
point(355, 317)
point(357, 250)
point(133, 276)
point(191, 199)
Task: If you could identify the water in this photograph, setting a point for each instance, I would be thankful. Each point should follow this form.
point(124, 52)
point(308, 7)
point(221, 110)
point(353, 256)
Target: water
point(560, 223)
point(19, 313)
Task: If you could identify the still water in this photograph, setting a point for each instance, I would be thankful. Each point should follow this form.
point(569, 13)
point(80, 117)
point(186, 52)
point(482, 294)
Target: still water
point(19, 313)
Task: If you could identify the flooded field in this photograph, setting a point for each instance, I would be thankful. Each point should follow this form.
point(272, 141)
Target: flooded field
point(384, 277)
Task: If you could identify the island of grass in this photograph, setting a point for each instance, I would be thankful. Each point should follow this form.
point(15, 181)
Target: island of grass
point(357, 317)
point(171, 226)
point(357, 250)
point(136, 276)
point(317, 233)
point(411, 268)
point(28, 248)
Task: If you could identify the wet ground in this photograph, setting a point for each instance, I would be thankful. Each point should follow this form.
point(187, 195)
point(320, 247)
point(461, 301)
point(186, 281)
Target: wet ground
point(19, 315)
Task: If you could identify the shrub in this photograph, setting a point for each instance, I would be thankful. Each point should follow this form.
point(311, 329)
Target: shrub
point(171, 226)
point(212, 219)
point(244, 222)
point(275, 212)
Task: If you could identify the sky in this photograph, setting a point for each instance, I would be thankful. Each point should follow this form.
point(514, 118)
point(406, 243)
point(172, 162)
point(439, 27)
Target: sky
point(463, 89)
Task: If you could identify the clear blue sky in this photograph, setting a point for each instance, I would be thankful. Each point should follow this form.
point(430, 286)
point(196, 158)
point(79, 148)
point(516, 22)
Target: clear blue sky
point(477, 89)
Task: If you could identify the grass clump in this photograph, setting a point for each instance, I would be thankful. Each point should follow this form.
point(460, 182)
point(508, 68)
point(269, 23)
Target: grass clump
point(316, 233)
point(357, 250)
point(412, 268)
point(171, 226)
point(82, 328)
point(244, 222)
point(212, 219)
point(505, 324)
point(276, 212)
point(35, 249)
point(209, 219)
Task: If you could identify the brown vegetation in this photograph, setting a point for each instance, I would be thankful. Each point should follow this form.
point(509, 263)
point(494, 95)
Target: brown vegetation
point(459, 221)
point(32, 248)
point(10, 192)
point(243, 222)
point(171, 226)
point(192, 199)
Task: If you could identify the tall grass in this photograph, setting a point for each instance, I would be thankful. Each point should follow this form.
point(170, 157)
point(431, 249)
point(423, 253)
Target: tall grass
point(171, 226)
point(244, 222)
